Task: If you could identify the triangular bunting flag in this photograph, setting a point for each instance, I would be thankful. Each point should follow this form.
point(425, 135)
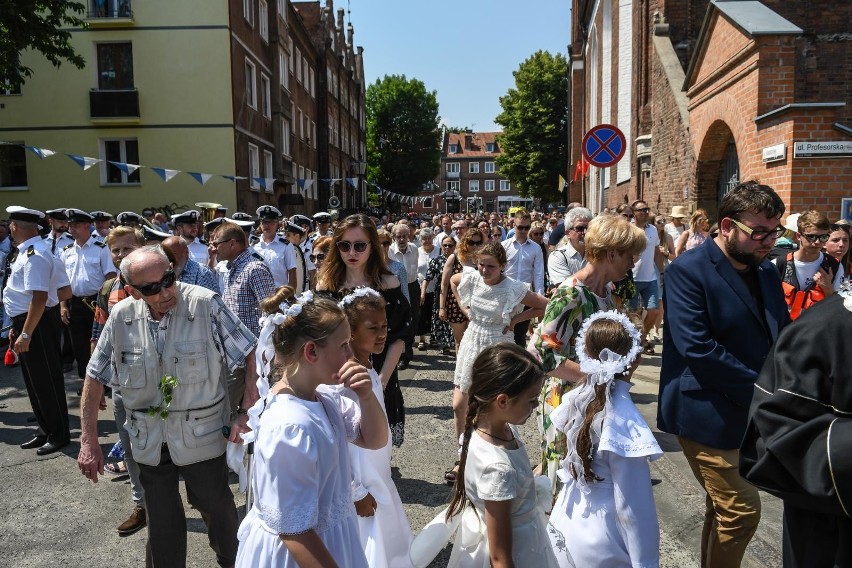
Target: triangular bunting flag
point(353, 182)
point(83, 161)
point(300, 183)
point(42, 153)
point(233, 178)
point(128, 169)
point(268, 183)
point(200, 178)
point(309, 183)
point(165, 173)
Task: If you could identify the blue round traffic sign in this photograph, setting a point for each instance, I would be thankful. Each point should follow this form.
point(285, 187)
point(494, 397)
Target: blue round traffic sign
point(604, 145)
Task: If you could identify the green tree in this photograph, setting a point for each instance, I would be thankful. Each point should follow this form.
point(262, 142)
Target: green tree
point(40, 25)
point(534, 142)
point(403, 138)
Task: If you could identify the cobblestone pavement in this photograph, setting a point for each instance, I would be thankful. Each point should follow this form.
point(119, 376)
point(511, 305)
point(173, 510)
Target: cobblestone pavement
point(52, 516)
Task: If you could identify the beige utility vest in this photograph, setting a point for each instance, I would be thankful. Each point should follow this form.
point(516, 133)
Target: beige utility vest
point(199, 408)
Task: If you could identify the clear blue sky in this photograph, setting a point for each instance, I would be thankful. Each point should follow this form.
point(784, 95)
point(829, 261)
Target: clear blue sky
point(466, 50)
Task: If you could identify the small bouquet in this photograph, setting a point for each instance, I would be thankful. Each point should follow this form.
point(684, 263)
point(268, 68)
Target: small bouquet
point(168, 384)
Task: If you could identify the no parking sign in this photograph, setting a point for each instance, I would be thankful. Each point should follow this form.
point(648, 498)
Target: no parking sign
point(604, 145)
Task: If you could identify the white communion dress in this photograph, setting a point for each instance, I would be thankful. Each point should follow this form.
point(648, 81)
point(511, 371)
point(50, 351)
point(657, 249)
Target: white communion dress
point(302, 476)
point(493, 473)
point(386, 536)
point(610, 523)
point(491, 309)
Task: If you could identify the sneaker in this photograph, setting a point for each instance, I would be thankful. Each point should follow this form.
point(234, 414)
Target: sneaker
point(137, 521)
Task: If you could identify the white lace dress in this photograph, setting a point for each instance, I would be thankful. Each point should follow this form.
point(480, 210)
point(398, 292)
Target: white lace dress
point(301, 476)
point(493, 473)
point(615, 524)
point(491, 310)
point(386, 536)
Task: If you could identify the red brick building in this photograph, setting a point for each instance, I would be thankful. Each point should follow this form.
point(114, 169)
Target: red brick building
point(469, 180)
point(712, 93)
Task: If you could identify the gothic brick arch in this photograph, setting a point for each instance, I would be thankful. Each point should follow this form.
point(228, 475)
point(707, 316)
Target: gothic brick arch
point(717, 164)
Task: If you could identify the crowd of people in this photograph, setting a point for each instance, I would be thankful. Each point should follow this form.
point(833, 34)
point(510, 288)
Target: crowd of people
point(281, 339)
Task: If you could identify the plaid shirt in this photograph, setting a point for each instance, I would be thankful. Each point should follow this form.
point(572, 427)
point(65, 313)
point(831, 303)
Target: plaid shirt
point(233, 340)
point(247, 282)
point(200, 275)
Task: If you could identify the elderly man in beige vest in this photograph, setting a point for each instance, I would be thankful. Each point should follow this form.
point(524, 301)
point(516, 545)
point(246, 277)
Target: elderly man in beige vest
point(169, 347)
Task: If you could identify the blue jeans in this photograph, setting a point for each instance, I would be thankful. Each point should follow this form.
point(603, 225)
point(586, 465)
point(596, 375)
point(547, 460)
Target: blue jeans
point(136, 491)
point(647, 296)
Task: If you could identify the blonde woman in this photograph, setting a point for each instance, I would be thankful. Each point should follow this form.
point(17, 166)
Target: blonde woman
point(699, 226)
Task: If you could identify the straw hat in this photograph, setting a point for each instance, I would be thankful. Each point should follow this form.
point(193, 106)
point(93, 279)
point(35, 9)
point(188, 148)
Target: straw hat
point(679, 212)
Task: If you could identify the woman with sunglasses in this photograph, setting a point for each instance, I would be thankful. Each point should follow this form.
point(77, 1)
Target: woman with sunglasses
point(317, 256)
point(465, 255)
point(356, 259)
point(442, 335)
point(427, 252)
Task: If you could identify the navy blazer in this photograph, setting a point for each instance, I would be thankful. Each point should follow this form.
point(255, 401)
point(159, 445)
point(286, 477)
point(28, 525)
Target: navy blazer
point(714, 344)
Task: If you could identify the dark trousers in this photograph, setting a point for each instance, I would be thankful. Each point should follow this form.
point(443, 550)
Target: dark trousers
point(521, 332)
point(42, 370)
point(67, 350)
point(414, 295)
point(80, 327)
point(207, 490)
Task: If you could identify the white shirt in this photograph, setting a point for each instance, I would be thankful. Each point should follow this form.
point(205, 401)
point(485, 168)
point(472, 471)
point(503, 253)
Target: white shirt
point(198, 251)
point(62, 241)
point(409, 259)
point(307, 249)
point(423, 261)
point(440, 237)
point(675, 232)
point(563, 262)
point(87, 266)
point(278, 256)
point(644, 271)
point(805, 270)
point(525, 263)
point(32, 271)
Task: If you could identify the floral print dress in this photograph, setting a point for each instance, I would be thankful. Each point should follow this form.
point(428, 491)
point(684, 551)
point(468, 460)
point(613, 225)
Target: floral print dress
point(441, 332)
point(553, 343)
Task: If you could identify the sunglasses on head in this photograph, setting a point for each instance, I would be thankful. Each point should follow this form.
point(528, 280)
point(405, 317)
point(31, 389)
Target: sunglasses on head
point(167, 281)
point(345, 246)
point(318, 257)
point(839, 227)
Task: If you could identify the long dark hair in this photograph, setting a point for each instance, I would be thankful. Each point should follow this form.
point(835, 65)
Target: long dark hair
point(332, 275)
point(504, 368)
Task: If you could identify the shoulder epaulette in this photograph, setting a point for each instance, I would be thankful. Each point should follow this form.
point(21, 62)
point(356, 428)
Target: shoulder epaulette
point(257, 255)
point(30, 250)
point(100, 243)
point(283, 240)
point(254, 239)
point(66, 247)
point(202, 241)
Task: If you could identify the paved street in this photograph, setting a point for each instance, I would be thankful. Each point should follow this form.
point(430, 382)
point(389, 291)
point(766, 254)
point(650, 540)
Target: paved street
point(52, 516)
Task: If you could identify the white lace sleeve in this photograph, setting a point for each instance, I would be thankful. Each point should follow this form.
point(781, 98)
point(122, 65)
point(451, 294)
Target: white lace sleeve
point(467, 284)
point(625, 432)
point(351, 412)
point(513, 306)
point(498, 482)
point(287, 479)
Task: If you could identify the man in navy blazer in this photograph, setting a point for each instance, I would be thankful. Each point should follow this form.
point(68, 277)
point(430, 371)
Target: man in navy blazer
point(724, 309)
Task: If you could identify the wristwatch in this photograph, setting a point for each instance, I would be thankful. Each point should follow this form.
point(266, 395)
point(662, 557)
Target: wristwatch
point(25, 335)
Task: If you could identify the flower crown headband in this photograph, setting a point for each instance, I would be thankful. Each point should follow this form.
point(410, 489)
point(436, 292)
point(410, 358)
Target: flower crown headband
point(603, 369)
point(360, 292)
point(265, 352)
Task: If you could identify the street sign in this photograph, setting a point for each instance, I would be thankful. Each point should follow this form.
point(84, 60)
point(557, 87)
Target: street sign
point(604, 145)
point(827, 149)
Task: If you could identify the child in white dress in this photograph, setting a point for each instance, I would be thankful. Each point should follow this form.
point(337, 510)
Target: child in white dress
point(605, 514)
point(494, 304)
point(383, 526)
point(303, 514)
point(502, 523)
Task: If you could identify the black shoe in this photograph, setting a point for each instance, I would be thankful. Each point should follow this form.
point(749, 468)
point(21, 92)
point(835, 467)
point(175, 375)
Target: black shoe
point(403, 365)
point(67, 367)
point(36, 442)
point(51, 447)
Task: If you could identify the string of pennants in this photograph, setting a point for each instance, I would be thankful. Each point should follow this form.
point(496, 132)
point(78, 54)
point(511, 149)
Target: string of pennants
point(166, 174)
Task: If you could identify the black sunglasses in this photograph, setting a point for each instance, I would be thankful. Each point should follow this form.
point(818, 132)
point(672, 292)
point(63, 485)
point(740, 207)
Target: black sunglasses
point(345, 246)
point(167, 281)
point(643, 210)
point(812, 237)
point(318, 257)
point(580, 229)
point(448, 245)
point(626, 215)
point(475, 243)
point(523, 227)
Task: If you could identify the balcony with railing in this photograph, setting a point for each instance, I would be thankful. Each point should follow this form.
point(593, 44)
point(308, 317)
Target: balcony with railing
point(452, 175)
point(106, 11)
point(114, 104)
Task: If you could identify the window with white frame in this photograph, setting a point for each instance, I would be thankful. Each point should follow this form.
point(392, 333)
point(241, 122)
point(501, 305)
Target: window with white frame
point(308, 132)
point(301, 125)
point(290, 54)
point(122, 150)
point(251, 84)
point(454, 148)
point(265, 96)
point(473, 185)
point(305, 74)
point(473, 167)
point(284, 69)
point(295, 176)
point(248, 11)
point(267, 169)
point(489, 167)
point(453, 185)
point(313, 84)
point(453, 167)
point(282, 9)
point(263, 19)
point(285, 137)
point(13, 166)
point(298, 64)
point(505, 185)
point(489, 185)
point(301, 172)
point(254, 166)
point(314, 133)
point(490, 147)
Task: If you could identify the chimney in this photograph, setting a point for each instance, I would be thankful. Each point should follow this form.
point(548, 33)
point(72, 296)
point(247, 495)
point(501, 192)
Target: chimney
point(340, 12)
point(350, 33)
